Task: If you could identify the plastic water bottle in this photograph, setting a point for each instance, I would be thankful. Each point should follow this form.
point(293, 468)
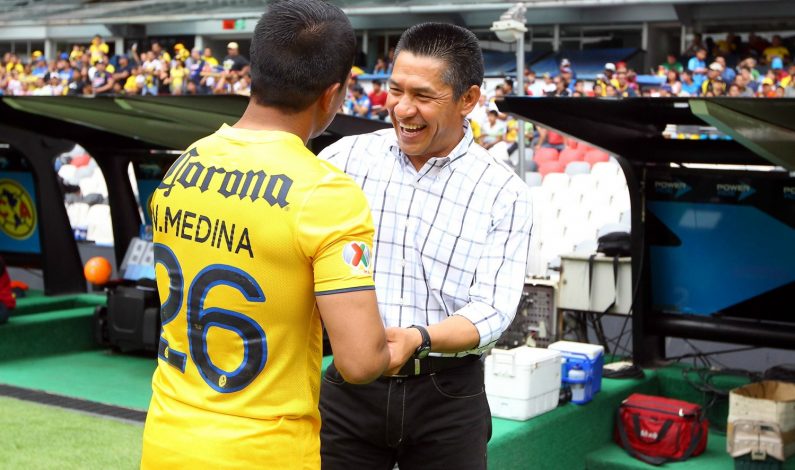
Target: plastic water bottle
point(577, 378)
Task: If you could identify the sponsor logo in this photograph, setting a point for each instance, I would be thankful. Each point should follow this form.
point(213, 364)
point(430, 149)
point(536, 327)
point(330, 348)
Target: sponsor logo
point(740, 191)
point(357, 256)
point(17, 211)
point(674, 188)
point(648, 434)
point(188, 172)
point(789, 192)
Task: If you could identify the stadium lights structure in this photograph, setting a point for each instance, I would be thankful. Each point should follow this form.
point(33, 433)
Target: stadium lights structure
point(511, 28)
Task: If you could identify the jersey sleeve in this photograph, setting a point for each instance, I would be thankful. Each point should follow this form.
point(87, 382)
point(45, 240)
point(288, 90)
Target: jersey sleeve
point(335, 231)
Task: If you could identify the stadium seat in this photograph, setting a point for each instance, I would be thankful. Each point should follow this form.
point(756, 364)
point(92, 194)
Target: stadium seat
point(100, 228)
point(533, 179)
point(540, 196)
point(584, 184)
point(553, 138)
point(578, 168)
point(565, 197)
point(552, 167)
point(625, 218)
point(545, 154)
point(597, 199)
point(601, 216)
point(621, 201)
point(67, 173)
point(569, 155)
point(78, 214)
point(556, 181)
point(601, 169)
point(596, 155)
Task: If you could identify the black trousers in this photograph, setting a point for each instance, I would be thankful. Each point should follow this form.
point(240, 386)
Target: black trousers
point(435, 421)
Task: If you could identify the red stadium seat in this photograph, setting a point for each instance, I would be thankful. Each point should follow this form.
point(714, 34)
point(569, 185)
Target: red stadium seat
point(553, 138)
point(545, 154)
point(596, 155)
point(569, 155)
point(550, 167)
point(571, 143)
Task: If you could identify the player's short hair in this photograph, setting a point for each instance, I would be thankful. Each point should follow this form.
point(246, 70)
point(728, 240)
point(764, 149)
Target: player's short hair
point(456, 46)
point(299, 49)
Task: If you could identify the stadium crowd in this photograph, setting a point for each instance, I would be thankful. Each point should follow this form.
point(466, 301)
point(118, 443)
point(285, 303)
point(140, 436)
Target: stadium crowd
point(90, 70)
point(729, 67)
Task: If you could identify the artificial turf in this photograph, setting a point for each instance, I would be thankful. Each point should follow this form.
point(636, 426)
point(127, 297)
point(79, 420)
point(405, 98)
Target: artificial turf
point(43, 437)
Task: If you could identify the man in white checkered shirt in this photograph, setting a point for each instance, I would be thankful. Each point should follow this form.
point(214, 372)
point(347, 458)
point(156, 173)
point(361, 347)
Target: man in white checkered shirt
point(452, 235)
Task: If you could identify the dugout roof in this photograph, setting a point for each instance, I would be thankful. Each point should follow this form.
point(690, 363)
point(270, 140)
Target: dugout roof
point(762, 131)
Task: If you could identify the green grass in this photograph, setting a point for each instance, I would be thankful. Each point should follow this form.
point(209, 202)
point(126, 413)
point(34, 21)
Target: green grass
point(43, 437)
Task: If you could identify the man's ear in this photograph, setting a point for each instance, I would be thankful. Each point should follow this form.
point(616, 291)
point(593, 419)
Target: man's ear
point(326, 100)
point(469, 99)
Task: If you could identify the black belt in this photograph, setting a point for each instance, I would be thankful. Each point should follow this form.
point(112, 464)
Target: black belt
point(433, 364)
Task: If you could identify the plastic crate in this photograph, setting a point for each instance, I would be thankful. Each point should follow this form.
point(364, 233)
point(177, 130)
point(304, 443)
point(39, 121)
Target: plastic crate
point(581, 368)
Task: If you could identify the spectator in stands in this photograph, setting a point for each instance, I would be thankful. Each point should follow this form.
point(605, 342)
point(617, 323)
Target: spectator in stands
point(671, 63)
point(98, 49)
point(380, 66)
point(610, 91)
point(728, 73)
point(124, 70)
point(377, 99)
point(622, 86)
point(208, 57)
point(195, 64)
point(767, 90)
point(180, 52)
point(561, 87)
point(102, 82)
point(507, 87)
point(735, 91)
point(177, 77)
point(695, 44)
point(747, 79)
point(789, 80)
point(360, 103)
point(492, 131)
point(777, 66)
point(79, 84)
point(390, 60)
point(713, 75)
point(672, 80)
point(161, 54)
point(7, 299)
point(534, 87)
point(776, 49)
point(698, 66)
point(233, 60)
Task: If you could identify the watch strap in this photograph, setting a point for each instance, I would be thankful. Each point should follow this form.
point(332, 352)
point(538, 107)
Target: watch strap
point(425, 347)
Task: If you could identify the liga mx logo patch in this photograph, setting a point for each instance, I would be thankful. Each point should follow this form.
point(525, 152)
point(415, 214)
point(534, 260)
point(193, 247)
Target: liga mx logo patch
point(17, 212)
point(357, 256)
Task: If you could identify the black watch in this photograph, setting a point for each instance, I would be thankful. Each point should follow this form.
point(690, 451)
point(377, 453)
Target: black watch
point(425, 347)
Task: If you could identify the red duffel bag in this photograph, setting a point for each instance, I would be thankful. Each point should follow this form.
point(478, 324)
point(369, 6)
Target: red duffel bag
point(658, 430)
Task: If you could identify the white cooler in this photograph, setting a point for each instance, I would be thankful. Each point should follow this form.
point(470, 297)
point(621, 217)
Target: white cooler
point(522, 382)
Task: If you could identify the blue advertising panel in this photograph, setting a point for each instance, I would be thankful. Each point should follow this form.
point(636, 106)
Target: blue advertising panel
point(720, 243)
point(19, 219)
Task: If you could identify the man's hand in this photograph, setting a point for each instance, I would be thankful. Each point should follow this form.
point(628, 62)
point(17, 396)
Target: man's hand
point(402, 342)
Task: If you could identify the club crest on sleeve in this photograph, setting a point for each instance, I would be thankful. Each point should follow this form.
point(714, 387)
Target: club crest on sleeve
point(357, 255)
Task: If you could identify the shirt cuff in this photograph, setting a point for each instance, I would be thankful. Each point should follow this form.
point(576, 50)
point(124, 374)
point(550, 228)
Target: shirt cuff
point(486, 320)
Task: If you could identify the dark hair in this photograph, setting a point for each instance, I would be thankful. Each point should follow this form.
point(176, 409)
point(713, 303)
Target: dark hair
point(299, 49)
point(456, 46)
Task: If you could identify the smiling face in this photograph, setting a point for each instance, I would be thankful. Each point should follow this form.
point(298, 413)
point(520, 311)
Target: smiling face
point(427, 118)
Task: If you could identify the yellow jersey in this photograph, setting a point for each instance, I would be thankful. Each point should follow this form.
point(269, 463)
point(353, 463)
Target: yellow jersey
point(249, 226)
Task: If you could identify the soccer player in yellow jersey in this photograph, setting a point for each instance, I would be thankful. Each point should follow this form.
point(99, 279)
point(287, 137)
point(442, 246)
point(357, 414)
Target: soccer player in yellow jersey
point(256, 240)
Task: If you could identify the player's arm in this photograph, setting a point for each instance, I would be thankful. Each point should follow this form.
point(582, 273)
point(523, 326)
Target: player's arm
point(338, 239)
point(356, 334)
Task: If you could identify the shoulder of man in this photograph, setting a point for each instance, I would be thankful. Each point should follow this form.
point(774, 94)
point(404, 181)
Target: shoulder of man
point(358, 147)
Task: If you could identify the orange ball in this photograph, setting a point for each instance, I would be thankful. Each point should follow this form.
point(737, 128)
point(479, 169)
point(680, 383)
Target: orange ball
point(97, 270)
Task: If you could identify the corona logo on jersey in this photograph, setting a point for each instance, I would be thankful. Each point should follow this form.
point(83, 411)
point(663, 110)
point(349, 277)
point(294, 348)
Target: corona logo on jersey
point(17, 212)
point(357, 256)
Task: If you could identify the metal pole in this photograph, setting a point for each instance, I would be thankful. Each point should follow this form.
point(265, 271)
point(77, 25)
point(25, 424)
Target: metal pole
point(520, 92)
